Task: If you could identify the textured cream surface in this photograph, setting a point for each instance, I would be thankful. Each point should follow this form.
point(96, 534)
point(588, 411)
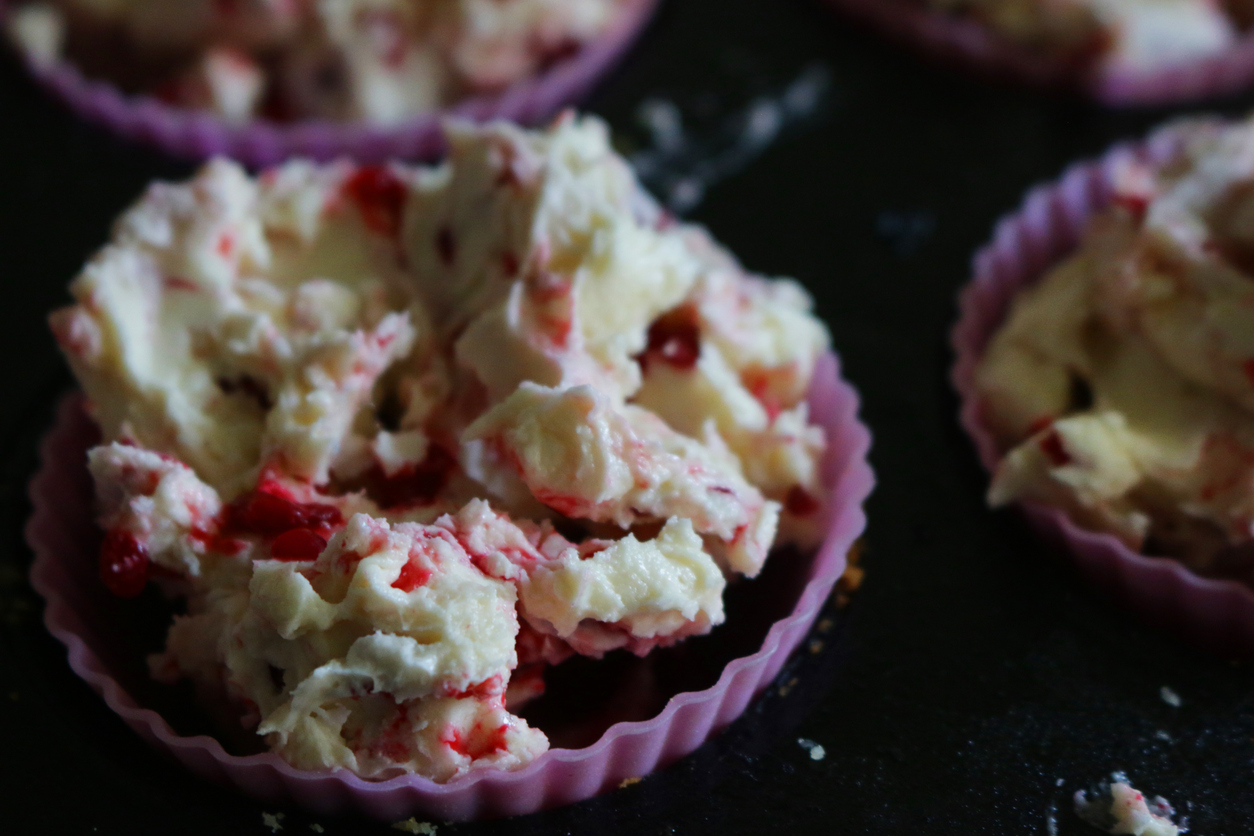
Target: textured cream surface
point(347, 411)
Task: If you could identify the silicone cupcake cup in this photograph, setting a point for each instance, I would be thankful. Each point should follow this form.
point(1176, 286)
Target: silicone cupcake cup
point(199, 135)
point(62, 534)
point(1217, 614)
point(970, 45)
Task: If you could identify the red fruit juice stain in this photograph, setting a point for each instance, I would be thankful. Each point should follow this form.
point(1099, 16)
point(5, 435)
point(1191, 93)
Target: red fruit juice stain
point(493, 686)
point(446, 246)
point(124, 564)
point(380, 196)
point(412, 576)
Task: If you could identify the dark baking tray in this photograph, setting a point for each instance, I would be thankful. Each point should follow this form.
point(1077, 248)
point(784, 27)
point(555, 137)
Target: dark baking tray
point(973, 684)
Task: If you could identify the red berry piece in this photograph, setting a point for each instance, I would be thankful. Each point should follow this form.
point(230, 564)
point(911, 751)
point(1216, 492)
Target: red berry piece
point(297, 544)
point(380, 196)
point(674, 338)
point(124, 564)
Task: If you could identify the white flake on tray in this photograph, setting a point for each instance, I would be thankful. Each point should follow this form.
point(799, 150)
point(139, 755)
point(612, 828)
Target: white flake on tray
point(1117, 807)
point(817, 752)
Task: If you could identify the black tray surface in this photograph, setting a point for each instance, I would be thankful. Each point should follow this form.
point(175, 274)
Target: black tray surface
point(973, 684)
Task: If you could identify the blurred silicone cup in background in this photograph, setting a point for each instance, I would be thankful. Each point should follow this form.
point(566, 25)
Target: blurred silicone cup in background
point(64, 538)
point(1215, 614)
point(969, 45)
point(198, 135)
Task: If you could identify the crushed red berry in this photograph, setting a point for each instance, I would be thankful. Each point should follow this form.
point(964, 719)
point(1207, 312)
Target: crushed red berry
point(297, 544)
point(124, 564)
point(269, 515)
point(380, 195)
point(674, 338)
point(414, 485)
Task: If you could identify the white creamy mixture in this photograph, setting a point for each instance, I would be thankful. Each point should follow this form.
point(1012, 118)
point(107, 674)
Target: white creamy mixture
point(347, 412)
point(1119, 808)
point(375, 60)
point(1122, 385)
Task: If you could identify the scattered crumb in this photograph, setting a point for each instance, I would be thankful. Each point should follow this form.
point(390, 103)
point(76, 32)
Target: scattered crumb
point(1162, 735)
point(316, 828)
point(1051, 822)
point(853, 577)
point(1170, 697)
point(1117, 807)
point(681, 162)
point(788, 686)
point(1060, 782)
point(418, 828)
point(271, 820)
point(826, 625)
point(628, 782)
point(816, 646)
point(817, 752)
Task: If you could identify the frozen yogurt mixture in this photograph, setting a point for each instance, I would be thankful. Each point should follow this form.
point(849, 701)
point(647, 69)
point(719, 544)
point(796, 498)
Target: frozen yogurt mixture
point(1121, 387)
point(403, 437)
point(380, 61)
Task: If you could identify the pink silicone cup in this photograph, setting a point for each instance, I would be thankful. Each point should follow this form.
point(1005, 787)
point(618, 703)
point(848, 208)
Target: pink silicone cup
point(61, 533)
point(1217, 614)
point(198, 135)
point(968, 44)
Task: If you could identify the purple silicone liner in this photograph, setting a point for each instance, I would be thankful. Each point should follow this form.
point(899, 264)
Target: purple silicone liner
point(1216, 614)
point(968, 44)
point(62, 534)
point(198, 135)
